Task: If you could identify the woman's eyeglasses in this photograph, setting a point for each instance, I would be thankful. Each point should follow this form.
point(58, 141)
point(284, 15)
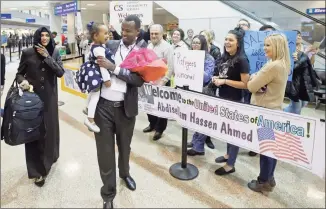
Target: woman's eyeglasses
point(195, 43)
point(243, 24)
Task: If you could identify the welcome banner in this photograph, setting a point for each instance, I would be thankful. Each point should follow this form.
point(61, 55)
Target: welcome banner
point(283, 136)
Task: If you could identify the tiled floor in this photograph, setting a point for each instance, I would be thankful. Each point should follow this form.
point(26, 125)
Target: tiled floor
point(74, 181)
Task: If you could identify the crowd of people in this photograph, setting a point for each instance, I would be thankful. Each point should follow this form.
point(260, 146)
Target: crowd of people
point(112, 107)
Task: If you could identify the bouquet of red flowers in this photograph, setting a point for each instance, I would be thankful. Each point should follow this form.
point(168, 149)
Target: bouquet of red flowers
point(146, 64)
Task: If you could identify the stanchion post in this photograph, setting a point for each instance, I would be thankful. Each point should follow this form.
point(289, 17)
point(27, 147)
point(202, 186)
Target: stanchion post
point(19, 49)
point(184, 170)
point(10, 52)
point(184, 141)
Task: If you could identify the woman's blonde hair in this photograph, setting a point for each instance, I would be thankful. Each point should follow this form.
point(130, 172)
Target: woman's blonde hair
point(280, 48)
point(207, 35)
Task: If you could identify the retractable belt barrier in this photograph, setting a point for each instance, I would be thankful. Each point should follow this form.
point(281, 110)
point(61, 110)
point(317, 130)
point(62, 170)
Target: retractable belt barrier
point(288, 137)
point(295, 139)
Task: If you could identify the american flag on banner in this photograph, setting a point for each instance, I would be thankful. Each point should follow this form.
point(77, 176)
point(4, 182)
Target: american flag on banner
point(282, 145)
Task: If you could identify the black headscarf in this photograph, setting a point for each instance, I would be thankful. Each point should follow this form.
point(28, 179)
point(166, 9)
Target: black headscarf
point(37, 39)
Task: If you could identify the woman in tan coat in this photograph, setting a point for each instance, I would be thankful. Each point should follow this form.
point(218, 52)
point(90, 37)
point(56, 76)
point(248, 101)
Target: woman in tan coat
point(268, 88)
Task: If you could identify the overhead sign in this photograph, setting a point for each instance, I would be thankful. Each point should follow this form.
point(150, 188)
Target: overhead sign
point(30, 20)
point(119, 10)
point(65, 8)
point(5, 16)
point(316, 11)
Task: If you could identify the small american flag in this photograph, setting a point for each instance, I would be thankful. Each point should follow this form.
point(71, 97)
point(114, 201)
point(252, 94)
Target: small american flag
point(282, 145)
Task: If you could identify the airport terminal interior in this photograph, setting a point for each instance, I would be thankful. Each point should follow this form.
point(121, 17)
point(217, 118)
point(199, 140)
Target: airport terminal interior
point(74, 180)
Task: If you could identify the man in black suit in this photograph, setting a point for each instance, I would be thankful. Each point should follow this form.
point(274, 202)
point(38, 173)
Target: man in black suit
point(116, 111)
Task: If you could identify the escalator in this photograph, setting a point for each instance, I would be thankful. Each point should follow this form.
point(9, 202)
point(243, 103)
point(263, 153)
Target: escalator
point(284, 17)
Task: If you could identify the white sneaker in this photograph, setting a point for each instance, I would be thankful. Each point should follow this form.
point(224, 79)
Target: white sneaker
point(91, 126)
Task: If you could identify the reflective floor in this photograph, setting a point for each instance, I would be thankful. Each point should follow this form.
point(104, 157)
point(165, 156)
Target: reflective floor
point(74, 181)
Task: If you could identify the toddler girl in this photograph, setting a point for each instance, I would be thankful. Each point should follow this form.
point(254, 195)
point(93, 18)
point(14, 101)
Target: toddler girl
point(91, 77)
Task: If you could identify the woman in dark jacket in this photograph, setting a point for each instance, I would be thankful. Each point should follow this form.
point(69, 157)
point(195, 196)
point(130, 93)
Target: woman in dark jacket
point(300, 90)
point(40, 66)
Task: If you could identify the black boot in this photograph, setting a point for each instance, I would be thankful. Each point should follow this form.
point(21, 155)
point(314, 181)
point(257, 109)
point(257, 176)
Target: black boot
point(209, 142)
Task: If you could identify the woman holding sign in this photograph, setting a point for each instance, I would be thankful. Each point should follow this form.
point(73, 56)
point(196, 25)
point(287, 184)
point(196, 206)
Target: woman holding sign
point(268, 88)
point(198, 140)
point(231, 79)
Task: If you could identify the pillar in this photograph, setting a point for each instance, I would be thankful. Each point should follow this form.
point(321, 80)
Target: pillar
point(71, 32)
point(55, 21)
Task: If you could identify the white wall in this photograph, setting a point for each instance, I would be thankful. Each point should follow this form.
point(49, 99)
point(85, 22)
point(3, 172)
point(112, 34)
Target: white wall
point(196, 9)
point(164, 19)
point(206, 15)
point(91, 15)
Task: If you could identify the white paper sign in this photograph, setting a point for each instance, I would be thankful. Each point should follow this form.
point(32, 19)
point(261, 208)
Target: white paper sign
point(119, 10)
point(189, 69)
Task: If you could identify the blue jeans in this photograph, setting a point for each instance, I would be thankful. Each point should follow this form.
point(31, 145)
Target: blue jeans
point(267, 168)
point(198, 142)
point(232, 152)
point(295, 107)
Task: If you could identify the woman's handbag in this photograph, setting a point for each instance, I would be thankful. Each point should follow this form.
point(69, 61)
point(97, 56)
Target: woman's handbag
point(209, 89)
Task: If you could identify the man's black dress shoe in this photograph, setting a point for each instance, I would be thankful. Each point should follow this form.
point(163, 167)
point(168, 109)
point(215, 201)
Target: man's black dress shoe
point(131, 184)
point(108, 204)
point(157, 136)
point(148, 129)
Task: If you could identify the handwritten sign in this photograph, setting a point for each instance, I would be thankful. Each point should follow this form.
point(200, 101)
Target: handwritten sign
point(189, 69)
point(254, 48)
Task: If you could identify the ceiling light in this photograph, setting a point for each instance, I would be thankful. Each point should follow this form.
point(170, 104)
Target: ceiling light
point(159, 8)
point(83, 8)
point(13, 8)
point(91, 4)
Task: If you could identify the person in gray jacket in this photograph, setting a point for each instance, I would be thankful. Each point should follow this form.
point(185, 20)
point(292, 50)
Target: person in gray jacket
point(163, 50)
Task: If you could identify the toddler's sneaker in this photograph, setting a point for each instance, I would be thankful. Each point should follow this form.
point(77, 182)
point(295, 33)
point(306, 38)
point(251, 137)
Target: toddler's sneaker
point(91, 126)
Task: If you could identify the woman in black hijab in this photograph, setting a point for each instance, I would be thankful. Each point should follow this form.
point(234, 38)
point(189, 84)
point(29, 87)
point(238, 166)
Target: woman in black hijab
point(40, 67)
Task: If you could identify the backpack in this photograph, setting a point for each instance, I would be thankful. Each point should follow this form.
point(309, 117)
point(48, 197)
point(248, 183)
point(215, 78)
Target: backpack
point(23, 117)
point(86, 74)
